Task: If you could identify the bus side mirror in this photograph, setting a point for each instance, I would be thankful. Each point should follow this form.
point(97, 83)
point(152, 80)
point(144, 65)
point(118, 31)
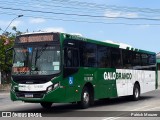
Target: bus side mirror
point(8, 57)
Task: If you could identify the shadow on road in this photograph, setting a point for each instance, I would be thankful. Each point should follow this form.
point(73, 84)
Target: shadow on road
point(120, 100)
point(67, 108)
point(73, 110)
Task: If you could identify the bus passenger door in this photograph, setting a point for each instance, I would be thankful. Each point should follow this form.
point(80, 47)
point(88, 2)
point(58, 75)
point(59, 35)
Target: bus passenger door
point(71, 64)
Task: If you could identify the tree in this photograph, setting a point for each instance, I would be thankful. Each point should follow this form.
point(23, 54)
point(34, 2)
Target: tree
point(6, 42)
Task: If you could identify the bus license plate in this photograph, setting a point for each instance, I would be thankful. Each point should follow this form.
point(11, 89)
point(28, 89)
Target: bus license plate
point(29, 95)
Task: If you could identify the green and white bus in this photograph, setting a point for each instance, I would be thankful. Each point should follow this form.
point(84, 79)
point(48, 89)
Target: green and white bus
point(61, 68)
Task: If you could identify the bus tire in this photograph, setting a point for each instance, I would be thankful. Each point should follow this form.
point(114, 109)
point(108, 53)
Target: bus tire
point(46, 105)
point(136, 92)
point(85, 98)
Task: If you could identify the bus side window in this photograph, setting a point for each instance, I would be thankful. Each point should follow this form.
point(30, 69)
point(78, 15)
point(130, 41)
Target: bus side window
point(136, 59)
point(144, 58)
point(152, 59)
point(103, 60)
point(71, 57)
point(88, 54)
point(116, 61)
point(127, 59)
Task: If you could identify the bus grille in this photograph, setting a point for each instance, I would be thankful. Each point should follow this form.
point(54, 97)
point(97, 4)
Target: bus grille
point(30, 94)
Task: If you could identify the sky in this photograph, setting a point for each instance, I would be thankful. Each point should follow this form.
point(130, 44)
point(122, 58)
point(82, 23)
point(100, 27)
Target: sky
point(134, 22)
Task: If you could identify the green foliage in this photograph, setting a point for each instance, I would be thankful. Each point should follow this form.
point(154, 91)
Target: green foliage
point(6, 42)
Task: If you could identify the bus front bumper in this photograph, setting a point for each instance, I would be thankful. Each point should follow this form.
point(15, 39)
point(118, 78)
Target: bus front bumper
point(56, 95)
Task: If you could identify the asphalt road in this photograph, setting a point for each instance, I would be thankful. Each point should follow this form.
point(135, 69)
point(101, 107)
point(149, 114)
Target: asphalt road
point(109, 109)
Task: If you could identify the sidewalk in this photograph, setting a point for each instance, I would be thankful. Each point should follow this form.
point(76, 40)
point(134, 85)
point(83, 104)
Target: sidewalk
point(4, 87)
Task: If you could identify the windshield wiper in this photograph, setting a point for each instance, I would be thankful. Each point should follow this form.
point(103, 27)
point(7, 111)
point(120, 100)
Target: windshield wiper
point(41, 52)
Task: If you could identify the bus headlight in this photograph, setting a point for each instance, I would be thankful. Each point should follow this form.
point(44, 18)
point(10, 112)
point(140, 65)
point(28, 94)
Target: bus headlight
point(49, 88)
point(56, 85)
point(53, 87)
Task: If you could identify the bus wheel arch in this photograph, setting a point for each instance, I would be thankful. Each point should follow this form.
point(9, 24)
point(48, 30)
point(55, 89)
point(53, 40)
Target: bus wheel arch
point(87, 96)
point(136, 91)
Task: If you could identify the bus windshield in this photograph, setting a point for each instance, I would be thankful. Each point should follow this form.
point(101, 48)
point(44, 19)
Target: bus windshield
point(36, 60)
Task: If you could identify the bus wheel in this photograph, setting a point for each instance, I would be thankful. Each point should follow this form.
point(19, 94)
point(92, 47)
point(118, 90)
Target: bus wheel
point(136, 92)
point(46, 105)
point(85, 98)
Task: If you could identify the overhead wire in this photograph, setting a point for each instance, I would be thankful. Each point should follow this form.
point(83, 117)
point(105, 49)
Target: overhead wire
point(71, 20)
point(147, 10)
point(81, 15)
point(68, 6)
point(54, 7)
point(80, 10)
point(86, 5)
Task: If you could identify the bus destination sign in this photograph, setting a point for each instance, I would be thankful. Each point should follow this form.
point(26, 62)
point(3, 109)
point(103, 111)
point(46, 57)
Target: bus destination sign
point(36, 38)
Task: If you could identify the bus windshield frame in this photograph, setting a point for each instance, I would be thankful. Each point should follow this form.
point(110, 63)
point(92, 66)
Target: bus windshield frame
point(36, 59)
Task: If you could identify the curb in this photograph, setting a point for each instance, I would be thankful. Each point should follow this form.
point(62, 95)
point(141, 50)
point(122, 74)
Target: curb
point(4, 91)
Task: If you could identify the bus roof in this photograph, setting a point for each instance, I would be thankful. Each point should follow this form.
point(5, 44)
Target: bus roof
point(41, 32)
point(110, 43)
point(106, 42)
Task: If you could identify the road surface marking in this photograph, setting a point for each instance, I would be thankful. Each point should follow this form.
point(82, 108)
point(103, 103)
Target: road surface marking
point(140, 108)
point(117, 117)
point(152, 108)
point(111, 118)
point(13, 105)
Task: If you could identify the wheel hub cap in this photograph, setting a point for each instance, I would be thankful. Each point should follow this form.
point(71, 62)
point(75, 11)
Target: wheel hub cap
point(136, 93)
point(86, 97)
